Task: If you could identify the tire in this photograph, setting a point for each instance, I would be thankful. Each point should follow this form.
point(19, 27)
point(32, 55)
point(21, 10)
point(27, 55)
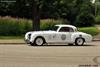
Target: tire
point(79, 41)
point(39, 41)
point(32, 44)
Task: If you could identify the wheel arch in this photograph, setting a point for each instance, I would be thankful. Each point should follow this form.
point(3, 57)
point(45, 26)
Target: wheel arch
point(80, 37)
point(74, 37)
point(80, 42)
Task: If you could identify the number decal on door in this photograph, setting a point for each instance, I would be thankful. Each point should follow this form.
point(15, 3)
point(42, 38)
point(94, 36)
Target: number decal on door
point(63, 37)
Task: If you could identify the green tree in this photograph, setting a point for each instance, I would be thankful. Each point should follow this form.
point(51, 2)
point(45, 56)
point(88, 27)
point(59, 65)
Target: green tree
point(36, 15)
point(85, 20)
point(43, 9)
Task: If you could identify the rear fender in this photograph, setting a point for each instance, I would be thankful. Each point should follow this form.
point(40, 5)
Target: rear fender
point(75, 36)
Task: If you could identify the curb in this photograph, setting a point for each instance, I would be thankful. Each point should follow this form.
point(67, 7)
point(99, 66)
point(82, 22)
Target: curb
point(12, 41)
point(12, 44)
point(23, 43)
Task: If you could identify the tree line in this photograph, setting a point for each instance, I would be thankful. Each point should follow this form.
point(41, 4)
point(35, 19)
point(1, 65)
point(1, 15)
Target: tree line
point(76, 12)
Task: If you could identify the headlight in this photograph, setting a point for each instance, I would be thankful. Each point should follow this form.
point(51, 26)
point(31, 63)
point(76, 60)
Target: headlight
point(29, 36)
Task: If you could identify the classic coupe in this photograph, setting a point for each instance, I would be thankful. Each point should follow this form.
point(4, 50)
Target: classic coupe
point(60, 34)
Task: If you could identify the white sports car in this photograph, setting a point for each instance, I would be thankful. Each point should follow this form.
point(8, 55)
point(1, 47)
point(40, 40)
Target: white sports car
point(61, 34)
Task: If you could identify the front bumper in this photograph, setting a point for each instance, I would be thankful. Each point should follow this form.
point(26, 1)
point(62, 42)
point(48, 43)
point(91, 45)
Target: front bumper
point(27, 41)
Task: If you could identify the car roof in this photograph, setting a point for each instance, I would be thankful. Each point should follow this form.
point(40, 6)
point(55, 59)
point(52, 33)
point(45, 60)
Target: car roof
point(64, 25)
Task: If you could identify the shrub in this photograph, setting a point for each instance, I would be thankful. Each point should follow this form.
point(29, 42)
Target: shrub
point(84, 20)
point(49, 23)
point(90, 30)
point(12, 26)
point(98, 19)
point(15, 27)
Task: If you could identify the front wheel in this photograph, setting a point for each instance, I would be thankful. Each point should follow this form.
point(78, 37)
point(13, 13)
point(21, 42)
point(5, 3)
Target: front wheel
point(79, 41)
point(39, 41)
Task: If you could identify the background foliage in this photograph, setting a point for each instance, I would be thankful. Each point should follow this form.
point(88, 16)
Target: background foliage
point(90, 30)
point(81, 13)
point(50, 9)
point(18, 27)
point(12, 26)
point(15, 27)
point(98, 19)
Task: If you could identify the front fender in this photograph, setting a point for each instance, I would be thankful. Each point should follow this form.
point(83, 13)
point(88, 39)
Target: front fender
point(34, 36)
point(26, 35)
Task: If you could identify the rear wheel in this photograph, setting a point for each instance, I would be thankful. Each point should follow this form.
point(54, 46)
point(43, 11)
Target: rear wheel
point(79, 41)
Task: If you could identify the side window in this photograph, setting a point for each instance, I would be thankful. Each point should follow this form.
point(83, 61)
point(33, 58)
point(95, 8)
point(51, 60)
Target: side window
point(66, 29)
point(71, 30)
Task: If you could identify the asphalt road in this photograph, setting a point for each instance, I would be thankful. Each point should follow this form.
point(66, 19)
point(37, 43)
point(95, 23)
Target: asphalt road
point(22, 55)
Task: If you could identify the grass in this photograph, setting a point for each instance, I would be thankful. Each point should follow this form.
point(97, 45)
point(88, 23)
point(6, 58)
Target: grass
point(11, 37)
point(90, 30)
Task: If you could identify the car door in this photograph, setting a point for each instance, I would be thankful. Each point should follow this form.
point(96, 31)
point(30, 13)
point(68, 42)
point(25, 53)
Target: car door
point(64, 34)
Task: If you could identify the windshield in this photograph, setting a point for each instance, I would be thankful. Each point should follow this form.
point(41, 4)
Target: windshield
point(54, 28)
